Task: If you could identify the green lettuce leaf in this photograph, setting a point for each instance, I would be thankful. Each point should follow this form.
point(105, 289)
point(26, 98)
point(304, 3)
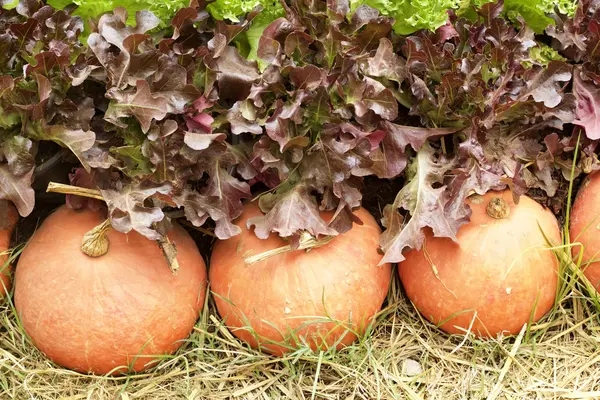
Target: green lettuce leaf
point(233, 10)
point(411, 15)
point(259, 24)
point(536, 13)
point(164, 9)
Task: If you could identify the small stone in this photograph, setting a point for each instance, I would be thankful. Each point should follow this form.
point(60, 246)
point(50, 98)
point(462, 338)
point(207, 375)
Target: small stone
point(412, 367)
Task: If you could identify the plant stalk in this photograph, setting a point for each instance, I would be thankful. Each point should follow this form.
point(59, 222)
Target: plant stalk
point(307, 242)
point(54, 187)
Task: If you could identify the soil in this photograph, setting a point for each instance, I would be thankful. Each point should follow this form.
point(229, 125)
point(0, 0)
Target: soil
point(378, 193)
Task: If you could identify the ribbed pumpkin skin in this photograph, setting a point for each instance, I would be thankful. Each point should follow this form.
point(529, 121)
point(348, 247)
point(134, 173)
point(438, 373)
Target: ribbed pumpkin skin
point(95, 314)
point(498, 269)
point(584, 227)
point(6, 270)
point(271, 295)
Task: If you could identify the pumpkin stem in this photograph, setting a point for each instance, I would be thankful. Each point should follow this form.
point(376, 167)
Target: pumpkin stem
point(95, 242)
point(170, 253)
point(54, 187)
point(307, 242)
point(498, 208)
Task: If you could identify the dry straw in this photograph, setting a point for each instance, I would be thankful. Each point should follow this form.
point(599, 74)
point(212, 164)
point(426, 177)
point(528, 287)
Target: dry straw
point(402, 357)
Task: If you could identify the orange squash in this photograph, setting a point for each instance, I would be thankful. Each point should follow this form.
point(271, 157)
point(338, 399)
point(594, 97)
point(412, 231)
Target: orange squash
point(584, 228)
point(105, 314)
point(5, 268)
point(501, 268)
point(292, 298)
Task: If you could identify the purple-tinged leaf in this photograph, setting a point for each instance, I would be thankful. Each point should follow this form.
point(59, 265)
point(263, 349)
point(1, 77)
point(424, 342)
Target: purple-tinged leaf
point(221, 200)
point(201, 141)
point(243, 166)
point(26, 31)
point(98, 158)
point(196, 118)
point(412, 135)
point(7, 84)
point(235, 75)
point(184, 15)
point(369, 94)
point(545, 86)
point(143, 105)
point(473, 175)
point(76, 140)
point(308, 77)
point(390, 159)
point(242, 117)
point(368, 38)
point(385, 63)
point(425, 198)
point(128, 211)
point(173, 87)
point(81, 178)
point(588, 105)
point(227, 192)
point(298, 42)
point(198, 208)
point(17, 151)
point(341, 8)
point(470, 178)
point(269, 45)
point(288, 214)
point(576, 36)
point(17, 189)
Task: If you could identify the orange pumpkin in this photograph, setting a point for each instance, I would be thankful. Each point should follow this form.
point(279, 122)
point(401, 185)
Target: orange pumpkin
point(282, 301)
point(95, 314)
point(5, 268)
point(500, 268)
point(585, 228)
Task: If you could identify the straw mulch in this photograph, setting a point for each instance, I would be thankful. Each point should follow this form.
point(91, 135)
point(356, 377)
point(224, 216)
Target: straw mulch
point(403, 357)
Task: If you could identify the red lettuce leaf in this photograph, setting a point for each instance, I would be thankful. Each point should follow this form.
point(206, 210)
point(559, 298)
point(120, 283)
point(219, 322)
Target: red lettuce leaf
point(39, 48)
point(128, 210)
point(425, 198)
point(587, 93)
point(288, 213)
point(17, 189)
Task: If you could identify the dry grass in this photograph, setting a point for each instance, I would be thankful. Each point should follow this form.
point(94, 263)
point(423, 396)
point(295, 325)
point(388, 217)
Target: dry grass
point(402, 358)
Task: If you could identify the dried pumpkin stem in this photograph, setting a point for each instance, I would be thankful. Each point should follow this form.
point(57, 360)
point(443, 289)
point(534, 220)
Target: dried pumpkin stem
point(498, 208)
point(307, 242)
point(170, 253)
point(54, 187)
point(95, 242)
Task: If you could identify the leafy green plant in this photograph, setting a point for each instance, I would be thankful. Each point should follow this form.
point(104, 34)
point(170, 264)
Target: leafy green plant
point(93, 10)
